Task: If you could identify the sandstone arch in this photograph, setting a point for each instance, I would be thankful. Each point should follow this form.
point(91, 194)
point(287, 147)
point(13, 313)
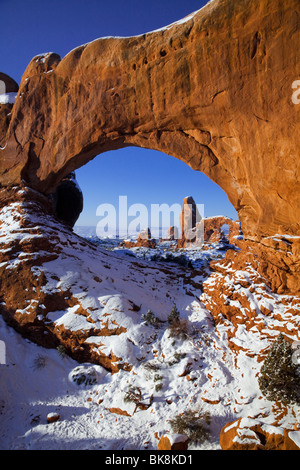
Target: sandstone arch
point(214, 91)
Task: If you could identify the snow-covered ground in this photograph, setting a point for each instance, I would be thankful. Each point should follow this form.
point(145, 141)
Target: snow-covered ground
point(197, 370)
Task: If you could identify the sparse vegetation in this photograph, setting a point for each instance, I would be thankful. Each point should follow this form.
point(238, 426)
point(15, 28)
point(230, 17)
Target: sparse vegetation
point(279, 378)
point(61, 351)
point(174, 316)
point(157, 378)
point(39, 362)
point(178, 327)
point(192, 423)
point(134, 395)
point(150, 319)
point(151, 366)
point(177, 358)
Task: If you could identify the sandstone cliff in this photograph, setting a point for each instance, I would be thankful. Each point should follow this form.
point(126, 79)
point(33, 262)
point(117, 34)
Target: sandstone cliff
point(213, 90)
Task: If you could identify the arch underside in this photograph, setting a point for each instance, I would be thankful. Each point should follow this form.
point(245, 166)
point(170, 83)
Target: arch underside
point(203, 90)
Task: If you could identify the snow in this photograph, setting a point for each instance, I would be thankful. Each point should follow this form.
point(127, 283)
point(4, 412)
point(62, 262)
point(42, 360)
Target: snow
point(8, 98)
point(295, 437)
point(176, 438)
point(197, 371)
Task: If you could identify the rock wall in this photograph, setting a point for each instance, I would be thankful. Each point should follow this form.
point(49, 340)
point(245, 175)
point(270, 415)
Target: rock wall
point(213, 90)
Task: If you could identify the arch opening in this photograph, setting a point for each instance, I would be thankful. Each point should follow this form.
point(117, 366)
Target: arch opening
point(136, 181)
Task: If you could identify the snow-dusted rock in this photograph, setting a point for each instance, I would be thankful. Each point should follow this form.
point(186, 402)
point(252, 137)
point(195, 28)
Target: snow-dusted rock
point(173, 442)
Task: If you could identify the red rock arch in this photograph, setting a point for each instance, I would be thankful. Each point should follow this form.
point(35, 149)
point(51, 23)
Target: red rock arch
point(214, 90)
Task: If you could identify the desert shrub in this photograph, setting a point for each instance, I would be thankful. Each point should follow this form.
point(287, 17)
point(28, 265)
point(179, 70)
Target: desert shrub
point(61, 350)
point(174, 316)
point(39, 362)
point(177, 358)
point(133, 395)
point(279, 378)
point(151, 319)
point(84, 376)
point(151, 366)
point(192, 423)
point(178, 327)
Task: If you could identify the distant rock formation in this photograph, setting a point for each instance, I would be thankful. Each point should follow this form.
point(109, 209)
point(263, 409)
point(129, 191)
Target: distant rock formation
point(144, 239)
point(196, 231)
point(220, 227)
point(68, 200)
point(189, 219)
point(172, 233)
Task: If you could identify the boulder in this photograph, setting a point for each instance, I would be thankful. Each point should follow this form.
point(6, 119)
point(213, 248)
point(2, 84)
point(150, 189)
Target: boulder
point(173, 442)
point(52, 417)
point(68, 200)
point(252, 434)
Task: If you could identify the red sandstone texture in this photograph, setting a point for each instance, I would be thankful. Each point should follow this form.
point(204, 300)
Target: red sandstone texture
point(173, 442)
point(228, 112)
point(214, 91)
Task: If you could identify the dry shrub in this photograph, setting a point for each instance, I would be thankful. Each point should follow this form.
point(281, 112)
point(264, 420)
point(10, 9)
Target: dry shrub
point(193, 424)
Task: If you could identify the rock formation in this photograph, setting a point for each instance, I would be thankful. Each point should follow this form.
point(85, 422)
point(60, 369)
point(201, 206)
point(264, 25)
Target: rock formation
point(213, 229)
point(213, 90)
point(68, 200)
point(251, 434)
point(173, 442)
point(172, 233)
point(144, 239)
point(189, 219)
point(7, 87)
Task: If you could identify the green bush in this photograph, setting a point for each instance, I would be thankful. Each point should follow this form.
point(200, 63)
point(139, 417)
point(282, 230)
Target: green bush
point(178, 327)
point(279, 378)
point(174, 316)
point(151, 319)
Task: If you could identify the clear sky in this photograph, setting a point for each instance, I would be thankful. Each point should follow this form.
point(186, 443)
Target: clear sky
point(31, 27)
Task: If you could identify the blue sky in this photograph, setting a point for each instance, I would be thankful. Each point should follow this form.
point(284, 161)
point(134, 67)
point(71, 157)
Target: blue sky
point(147, 177)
